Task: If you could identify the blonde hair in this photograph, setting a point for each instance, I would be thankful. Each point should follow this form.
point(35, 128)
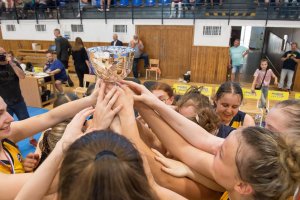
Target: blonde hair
point(51, 137)
point(291, 110)
point(268, 164)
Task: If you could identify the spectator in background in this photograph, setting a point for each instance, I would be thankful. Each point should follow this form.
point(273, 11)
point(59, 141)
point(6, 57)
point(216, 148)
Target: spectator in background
point(236, 59)
point(103, 6)
point(10, 73)
point(175, 3)
point(115, 41)
point(212, 3)
point(290, 60)
point(9, 5)
point(56, 68)
point(63, 51)
point(81, 60)
point(82, 4)
point(138, 46)
point(29, 67)
point(267, 2)
point(15, 60)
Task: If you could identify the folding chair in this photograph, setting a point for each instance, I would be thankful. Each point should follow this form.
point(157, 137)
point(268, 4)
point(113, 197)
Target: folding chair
point(153, 67)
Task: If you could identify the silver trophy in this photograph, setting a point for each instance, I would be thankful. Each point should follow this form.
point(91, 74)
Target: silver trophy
point(111, 63)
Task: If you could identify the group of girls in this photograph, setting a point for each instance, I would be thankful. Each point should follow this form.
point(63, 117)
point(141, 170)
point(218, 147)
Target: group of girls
point(205, 156)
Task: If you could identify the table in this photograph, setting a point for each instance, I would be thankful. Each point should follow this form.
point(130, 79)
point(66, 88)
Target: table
point(31, 88)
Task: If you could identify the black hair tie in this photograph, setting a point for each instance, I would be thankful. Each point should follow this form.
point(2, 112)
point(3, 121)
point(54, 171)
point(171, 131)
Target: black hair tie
point(105, 153)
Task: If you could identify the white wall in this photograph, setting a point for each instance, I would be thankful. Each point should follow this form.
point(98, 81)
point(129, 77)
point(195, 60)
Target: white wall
point(97, 31)
point(94, 29)
point(219, 40)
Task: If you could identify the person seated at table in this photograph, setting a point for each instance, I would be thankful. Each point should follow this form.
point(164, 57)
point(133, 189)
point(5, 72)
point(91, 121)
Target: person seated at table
point(56, 68)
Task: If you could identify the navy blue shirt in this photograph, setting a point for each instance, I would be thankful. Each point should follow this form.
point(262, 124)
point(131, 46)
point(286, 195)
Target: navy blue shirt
point(224, 131)
point(56, 64)
point(290, 63)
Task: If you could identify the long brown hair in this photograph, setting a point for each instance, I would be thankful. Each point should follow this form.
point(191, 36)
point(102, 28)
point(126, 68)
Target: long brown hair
point(78, 44)
point(103, 165)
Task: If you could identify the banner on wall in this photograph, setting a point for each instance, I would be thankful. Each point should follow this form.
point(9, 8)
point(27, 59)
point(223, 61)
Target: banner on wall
point(297, 95)
point(248, 94)
point(278, 95)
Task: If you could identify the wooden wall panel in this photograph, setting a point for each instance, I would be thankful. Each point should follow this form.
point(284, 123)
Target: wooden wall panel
point(171, 45)
point(209, 64)
point(14, 45)
point(151, 38)
point(296, 86)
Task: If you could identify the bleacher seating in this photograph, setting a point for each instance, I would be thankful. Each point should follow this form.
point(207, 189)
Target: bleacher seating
point(234, 9)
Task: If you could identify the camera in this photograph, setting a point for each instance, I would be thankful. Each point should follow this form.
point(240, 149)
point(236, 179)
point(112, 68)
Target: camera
point(2, 57)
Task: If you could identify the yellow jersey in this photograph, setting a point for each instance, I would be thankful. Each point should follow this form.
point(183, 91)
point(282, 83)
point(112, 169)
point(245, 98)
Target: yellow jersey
point(13, 164)
point(225, 196)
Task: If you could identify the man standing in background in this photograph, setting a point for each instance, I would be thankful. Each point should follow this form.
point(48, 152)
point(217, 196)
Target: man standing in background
point(139, 53)
point(236, 59)
point(63, 51)
point(290, 60)
point(115, 41)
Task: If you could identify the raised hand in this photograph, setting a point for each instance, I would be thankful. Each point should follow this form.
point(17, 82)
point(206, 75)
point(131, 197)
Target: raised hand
point(74, 128)
point(31, 161)
point(142, 94)
point(172, 167)
point(104, 111)
point(93, 97)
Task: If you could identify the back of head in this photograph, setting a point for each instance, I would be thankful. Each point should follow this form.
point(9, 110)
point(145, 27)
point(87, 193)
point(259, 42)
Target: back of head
point(268, 164)
point(103, 165)
point(228, 88)
point(194, 97)
point(164, 87)
point(65, 98)
point(208, 119)
point(291, 111)
point(50, 138)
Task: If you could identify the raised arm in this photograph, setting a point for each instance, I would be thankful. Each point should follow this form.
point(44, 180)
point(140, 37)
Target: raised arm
point(182, 186)
point(44, 175)
point(253, 84)
point(28, 127)
point(248, 121)
point(11, 184)
point(177, 146)
point(179, 169)
point(19, 72)
point(192, 132)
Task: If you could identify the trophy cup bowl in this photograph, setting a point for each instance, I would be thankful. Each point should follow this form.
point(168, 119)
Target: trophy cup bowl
point(111, 63)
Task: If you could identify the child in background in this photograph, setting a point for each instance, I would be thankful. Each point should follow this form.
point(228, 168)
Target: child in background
point(262, 79)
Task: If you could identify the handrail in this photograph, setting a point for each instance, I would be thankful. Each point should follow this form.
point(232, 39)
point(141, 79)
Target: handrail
point(228, 10)
point(270, 62)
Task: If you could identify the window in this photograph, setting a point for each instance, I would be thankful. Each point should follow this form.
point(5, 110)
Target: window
point(212, 30)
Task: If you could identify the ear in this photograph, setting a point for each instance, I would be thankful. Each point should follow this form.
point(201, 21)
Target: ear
point(172, 99)
point(243, 188)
